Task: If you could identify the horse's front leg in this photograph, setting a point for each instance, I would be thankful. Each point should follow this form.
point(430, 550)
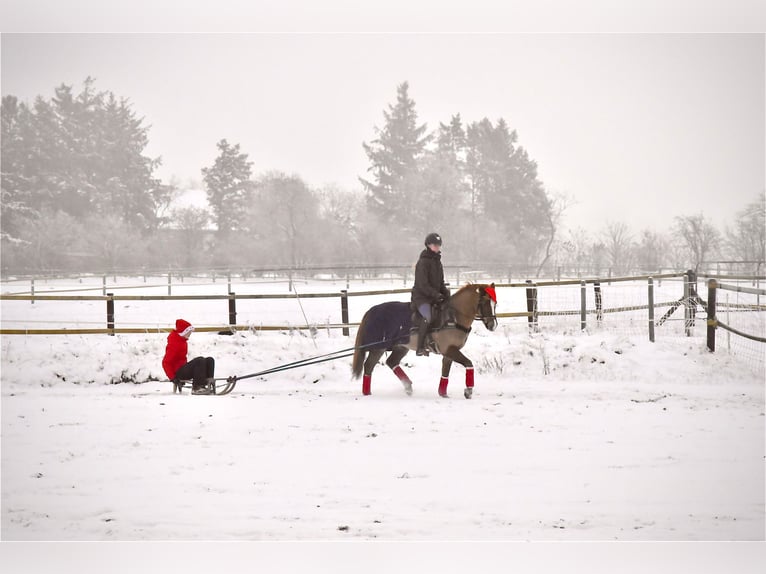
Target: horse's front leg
point(454, 354)
point(444, 381)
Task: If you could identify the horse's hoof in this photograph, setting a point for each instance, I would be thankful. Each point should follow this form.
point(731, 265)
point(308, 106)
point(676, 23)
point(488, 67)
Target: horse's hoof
point(407, 387)
point(468, 393)
point(444, 395)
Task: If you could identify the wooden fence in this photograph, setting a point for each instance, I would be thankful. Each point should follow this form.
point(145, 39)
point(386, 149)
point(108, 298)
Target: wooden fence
point(532, 295)
point(713, 322)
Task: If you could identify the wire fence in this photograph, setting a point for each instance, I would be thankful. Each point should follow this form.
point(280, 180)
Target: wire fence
point(656, 307)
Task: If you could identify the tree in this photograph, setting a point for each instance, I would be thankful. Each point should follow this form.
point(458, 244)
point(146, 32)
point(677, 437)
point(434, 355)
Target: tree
point(747, 240)
point(394, 155)
point(229, 188)
point(345, 235)
point(505, 189)
point(190, 222)
point(558, 205)
point(618, 244)
point(16, 186)
point(284, 218)
point(698, 236)
point(77, 153)
point(651, 250)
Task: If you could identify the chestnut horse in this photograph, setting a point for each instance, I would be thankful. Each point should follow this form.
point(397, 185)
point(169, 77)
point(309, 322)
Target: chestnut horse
point(386, 327)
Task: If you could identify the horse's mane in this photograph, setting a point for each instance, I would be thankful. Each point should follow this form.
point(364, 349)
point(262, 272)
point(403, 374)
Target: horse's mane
point(467, 287)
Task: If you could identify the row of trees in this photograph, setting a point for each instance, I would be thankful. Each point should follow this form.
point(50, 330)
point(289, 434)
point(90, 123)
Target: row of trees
point(78, 192)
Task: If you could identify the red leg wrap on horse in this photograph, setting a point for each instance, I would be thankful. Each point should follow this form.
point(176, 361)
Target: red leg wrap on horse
point(443, 385)
point(469, 377)
point(399, 372)
point(366, 384)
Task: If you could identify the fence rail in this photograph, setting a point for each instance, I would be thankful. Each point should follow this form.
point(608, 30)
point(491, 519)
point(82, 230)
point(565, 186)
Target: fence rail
point(713, 322)
point(533, 311)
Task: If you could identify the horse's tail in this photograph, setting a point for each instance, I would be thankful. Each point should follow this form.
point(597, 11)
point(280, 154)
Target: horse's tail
point(359, 353)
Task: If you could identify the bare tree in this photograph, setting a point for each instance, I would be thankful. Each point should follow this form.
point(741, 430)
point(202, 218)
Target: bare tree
point(618, 243)
point(651, 250)
point(558, 205)
point(747, 240)
point(699, 237)
point(191, 222)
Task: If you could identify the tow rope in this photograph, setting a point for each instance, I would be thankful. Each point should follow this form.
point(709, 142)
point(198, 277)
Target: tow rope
point(231, 382)
point(310, 361)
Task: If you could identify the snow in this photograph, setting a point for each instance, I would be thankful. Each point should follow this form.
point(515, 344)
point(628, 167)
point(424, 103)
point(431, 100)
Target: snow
point(622, 439)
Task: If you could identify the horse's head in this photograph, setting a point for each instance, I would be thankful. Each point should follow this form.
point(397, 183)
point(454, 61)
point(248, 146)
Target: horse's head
point(475, 301)
point(486, 307)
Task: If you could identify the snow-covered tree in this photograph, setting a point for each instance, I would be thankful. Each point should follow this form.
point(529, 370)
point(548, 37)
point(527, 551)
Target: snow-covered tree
point(394, 155)
point(229, 187)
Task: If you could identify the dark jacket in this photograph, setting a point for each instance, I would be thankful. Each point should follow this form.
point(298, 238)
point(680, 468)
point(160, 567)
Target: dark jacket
point(429, 279)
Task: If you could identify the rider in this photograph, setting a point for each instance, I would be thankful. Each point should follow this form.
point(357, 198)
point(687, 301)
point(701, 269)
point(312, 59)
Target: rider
point(429, 288)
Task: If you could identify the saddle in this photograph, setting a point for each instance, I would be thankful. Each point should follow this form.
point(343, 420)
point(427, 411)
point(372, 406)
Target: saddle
point(442, 317)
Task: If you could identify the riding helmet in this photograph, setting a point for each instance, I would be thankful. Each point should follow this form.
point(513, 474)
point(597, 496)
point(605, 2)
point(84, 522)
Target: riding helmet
point(433, 239)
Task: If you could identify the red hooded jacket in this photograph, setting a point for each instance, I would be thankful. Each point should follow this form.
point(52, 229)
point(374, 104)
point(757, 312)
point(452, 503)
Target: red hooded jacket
point(175, 351)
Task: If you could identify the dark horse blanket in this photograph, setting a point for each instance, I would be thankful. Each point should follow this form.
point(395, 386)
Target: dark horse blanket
point(387, 324)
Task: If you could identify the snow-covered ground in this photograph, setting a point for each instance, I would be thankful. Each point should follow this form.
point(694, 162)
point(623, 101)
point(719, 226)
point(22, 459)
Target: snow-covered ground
point(622, 439)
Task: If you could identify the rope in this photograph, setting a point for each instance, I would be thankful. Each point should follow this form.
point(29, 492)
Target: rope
point(342, 353)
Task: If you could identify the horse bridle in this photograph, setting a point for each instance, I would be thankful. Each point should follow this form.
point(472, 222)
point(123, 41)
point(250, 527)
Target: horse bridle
point(485, 299)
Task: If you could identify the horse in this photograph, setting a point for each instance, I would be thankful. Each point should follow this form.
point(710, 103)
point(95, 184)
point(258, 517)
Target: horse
point(386, 327)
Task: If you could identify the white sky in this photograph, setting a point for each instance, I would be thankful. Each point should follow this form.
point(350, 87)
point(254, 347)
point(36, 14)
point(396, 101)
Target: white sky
point(637, 128)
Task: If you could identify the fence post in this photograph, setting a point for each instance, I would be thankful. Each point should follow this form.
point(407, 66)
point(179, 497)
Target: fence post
point(32, 290)
point(712, 284)
point(110, 312)
point(599, 307)
point(687, 304)
point(651, 309)
point(583, 322)
point(344, 311)
point(232, 309)
point(103, 285)
point(169, 281)
point(532, 306)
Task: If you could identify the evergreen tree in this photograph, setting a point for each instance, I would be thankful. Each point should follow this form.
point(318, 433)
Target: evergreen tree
point(451, 142)
point(78, 153)
point(393, 155)
point(229, 188)
point(504, 188)
point(16, 182)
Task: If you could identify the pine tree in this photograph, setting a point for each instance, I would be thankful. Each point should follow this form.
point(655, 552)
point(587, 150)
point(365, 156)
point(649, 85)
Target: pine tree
point(81, 154)
point(16, 183)
point(393, 155)
point(504, 187)
point(229, 188)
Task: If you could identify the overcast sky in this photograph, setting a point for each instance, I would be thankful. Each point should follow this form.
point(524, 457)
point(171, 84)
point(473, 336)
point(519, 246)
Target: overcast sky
point(631, 127)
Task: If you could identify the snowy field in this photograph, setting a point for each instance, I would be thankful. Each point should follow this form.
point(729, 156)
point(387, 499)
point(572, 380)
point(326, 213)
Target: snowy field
point(621, 439)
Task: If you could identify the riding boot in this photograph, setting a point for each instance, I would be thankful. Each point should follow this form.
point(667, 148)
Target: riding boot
point(422, 330)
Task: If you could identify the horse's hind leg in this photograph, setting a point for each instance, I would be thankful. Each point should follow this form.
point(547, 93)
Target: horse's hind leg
point(393, 363)
point(369, 364)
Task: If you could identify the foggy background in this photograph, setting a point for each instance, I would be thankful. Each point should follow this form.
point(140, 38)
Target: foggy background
point(582, 152)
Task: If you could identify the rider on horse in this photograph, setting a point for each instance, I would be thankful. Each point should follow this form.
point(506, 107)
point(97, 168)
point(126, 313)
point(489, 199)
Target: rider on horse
point(429, 288)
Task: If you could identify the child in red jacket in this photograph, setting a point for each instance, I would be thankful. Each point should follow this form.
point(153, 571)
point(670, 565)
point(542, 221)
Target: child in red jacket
point(200, 369)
